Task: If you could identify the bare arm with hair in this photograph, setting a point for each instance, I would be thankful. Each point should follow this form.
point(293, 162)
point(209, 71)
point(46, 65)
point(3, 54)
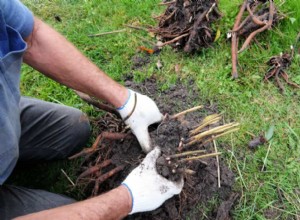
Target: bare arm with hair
point(115, 204)
point(53, 55)
point(143, 190)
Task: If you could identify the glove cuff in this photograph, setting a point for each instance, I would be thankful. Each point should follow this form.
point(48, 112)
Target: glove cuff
point(127, 100)
point(138, 203)
point(132, 198)
point(128, 107)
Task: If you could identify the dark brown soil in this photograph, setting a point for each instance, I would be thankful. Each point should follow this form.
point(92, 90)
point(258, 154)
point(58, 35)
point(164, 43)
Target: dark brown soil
point(140, 60)
point(200, 188)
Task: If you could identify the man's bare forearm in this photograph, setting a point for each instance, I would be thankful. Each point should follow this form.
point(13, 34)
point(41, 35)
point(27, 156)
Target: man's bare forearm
point(51, 54)
point(115, 204)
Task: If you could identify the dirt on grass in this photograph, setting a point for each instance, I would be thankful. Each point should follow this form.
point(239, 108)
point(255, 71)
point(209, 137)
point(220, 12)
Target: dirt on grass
point(201, 195)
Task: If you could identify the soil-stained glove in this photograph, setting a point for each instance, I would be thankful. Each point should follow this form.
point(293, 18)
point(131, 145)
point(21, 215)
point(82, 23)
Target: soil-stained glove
point(148, 189)
point(139, 111)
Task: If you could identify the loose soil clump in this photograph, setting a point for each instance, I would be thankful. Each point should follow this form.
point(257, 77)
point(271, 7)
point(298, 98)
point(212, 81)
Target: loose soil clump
point(111, 158)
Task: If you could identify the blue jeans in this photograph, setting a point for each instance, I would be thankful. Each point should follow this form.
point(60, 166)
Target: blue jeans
point(48, 132)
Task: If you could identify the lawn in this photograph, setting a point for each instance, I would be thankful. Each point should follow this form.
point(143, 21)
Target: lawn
point(256, 105)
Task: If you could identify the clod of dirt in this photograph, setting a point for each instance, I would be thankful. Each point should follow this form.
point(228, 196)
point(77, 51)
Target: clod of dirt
point(225, 207)
point(169, 134)
point(187, 24)
point(255, 142)
point(140, 60)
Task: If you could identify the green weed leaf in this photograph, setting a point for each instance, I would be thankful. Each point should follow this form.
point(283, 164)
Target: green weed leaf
point(218, 34)
point(293, 20)
point(269, 133)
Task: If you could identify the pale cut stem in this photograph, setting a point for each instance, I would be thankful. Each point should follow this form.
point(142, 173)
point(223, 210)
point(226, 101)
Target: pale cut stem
point(174, 40)
point(136, 27)
point(220, 135)
point(213, 131)
point(211, 120)
point(167, 3)
point(106, 33)
point(199, 157)
point(218, 164)
point(186, 111)
point(210, 10)
point(68, 178)
point(210, 117)
point(186, 153)
point(265, 160)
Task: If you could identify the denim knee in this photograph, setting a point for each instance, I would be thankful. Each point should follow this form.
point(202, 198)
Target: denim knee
point(80, 130)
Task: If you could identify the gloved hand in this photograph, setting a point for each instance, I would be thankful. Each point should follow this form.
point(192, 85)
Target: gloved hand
point(139, 111)
point(148, 189)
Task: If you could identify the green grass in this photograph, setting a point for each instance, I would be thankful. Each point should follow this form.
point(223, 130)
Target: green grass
point(248, 100)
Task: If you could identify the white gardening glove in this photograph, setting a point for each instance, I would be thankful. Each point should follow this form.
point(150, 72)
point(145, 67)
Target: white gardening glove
point(139, 111)
point(148, 189)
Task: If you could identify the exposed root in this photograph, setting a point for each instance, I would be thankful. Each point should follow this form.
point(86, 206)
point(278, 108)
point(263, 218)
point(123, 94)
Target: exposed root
point(234, 40)
point(104, 177)
point(266, 26)
point(97, 104)
point(94, 169)
point(97, 143)
point(261, 16)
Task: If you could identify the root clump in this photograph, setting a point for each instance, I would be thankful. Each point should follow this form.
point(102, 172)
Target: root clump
point(186, 24)
point(278, 65)
point(254, 17)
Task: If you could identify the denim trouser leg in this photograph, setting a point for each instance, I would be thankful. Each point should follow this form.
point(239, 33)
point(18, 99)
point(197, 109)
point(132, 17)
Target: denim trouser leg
point(17, 201)
point(49, 132)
